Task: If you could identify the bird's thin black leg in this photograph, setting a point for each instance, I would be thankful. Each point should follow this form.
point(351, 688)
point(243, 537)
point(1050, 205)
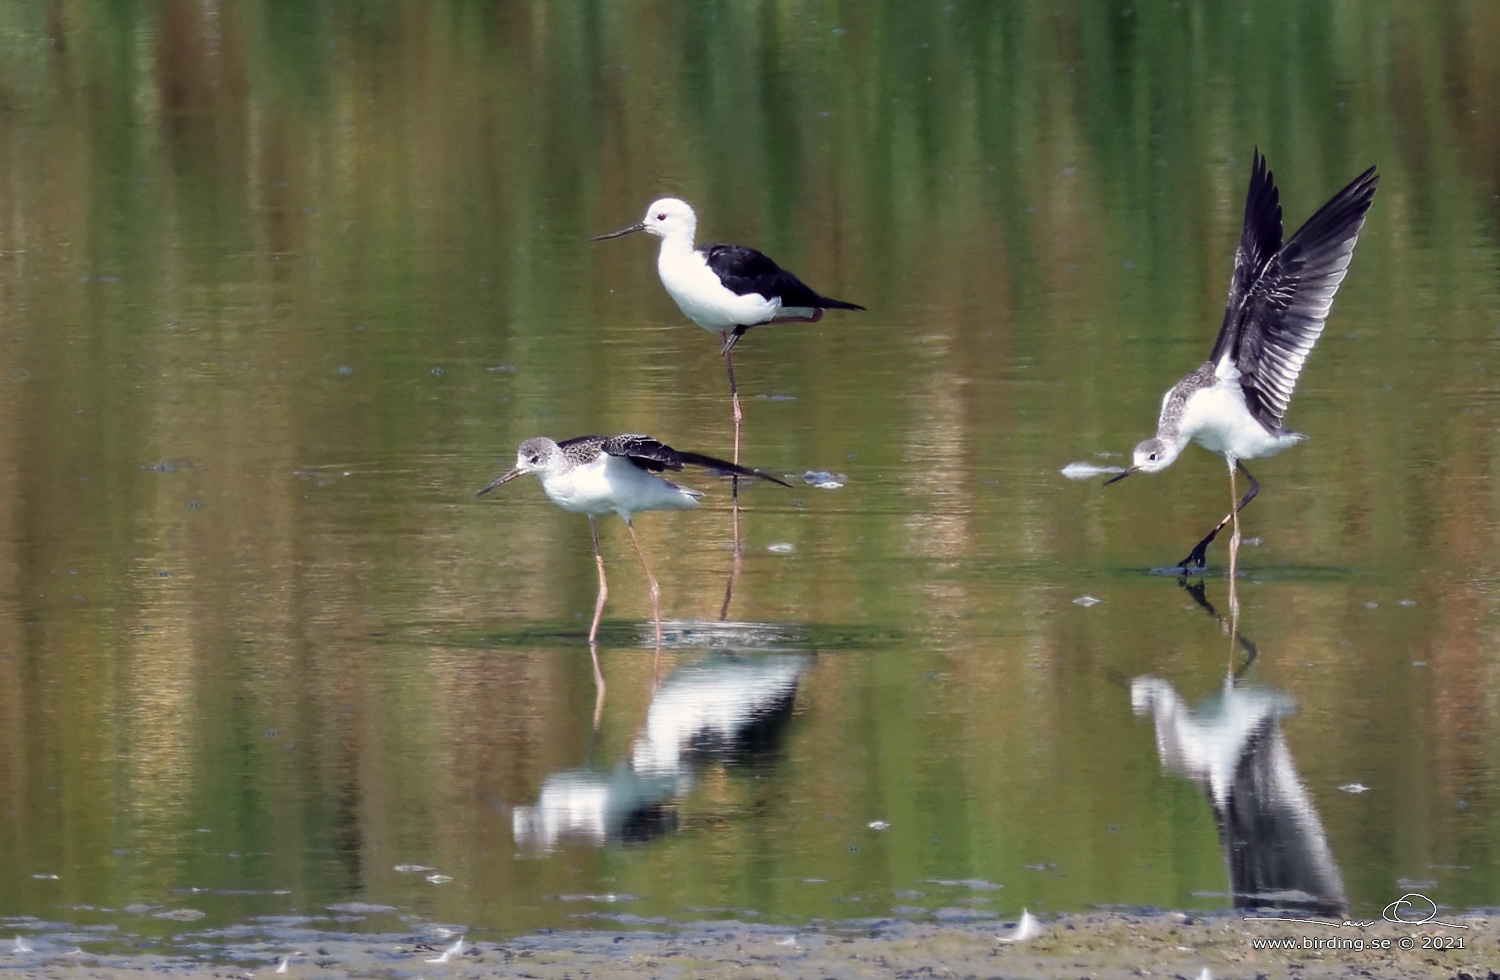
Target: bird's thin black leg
point(1198, 557)
point(1199, 591)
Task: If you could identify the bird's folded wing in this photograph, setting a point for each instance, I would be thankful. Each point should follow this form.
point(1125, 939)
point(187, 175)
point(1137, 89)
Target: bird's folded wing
point(649, 454)
point(744, 271)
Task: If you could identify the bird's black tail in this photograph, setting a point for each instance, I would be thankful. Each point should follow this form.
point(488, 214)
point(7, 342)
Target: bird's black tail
point(725, 468)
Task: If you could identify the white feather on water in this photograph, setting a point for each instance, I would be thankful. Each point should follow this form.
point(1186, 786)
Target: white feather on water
point(1082, 471)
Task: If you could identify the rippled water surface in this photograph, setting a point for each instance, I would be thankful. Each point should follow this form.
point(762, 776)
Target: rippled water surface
point(283, 285)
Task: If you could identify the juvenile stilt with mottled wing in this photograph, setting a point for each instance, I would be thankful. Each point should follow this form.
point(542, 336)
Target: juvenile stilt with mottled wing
point(596, 475)
point(1279, 299)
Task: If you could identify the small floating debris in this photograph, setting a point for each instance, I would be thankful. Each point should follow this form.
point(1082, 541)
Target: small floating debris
point(44, 876)
point(457, 949)
point(1083, 471)
point(180, 915)
point(1355, 788)
point(781, 548)
point(411, 869)
point(22, 946)
point(1408, 603)
point(1087, 600)
point(1027, 928)
point(879, 825)
point(824, 480)
point(359, 908)
point(439, 879)
point(788, 941)
point(977, 884)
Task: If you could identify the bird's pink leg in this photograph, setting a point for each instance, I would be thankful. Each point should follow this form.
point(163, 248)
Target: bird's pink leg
point(734, 395)
point(598, 686)
point(603, 589)
point(734, 481)
point(655, 589)
point(1234, 545)
point(734, 567)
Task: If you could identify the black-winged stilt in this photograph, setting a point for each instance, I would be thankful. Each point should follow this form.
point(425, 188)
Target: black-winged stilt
point(1279, 298)
point(596, 475)
point(725, 288)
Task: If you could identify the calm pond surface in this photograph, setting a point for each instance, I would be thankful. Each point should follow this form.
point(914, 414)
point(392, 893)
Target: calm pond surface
point(283, 284)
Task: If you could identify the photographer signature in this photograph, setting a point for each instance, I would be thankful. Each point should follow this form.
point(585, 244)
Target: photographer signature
point(1411, 909)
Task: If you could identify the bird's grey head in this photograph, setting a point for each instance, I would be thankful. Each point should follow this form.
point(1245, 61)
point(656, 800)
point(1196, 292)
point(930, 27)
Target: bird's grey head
point(665, 218)
point(1154, 455)
point(1151, 456)
point(536, 455)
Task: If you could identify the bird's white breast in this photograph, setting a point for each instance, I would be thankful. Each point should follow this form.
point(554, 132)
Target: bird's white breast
point(610, 483)
point(1218, 418)
point(703, 298)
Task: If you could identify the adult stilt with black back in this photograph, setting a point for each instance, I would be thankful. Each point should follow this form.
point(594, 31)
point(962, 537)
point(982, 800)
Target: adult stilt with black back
point(727, 289)
point(1279, 299)
point(596, 475)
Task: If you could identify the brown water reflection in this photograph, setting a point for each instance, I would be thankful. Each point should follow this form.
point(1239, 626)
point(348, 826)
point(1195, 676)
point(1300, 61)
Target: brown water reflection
point(281, 283)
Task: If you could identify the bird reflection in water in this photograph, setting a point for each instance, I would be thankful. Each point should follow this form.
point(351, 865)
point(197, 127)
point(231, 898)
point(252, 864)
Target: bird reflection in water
point(1232, 745)
point(726, 707)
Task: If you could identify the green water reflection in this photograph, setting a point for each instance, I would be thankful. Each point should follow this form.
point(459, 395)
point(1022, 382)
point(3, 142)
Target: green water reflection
point(283, 284)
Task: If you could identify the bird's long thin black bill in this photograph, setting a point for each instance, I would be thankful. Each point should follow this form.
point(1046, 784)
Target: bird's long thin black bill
point(504, 479)
point(1117, 479)
point(638, 226)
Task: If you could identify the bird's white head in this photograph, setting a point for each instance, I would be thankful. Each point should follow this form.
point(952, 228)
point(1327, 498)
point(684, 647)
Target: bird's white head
point(536, 455)
point(668, 218)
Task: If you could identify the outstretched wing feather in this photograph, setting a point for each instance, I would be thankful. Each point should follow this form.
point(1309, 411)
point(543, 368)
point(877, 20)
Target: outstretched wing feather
point(1259, 243)
point(1286, 306)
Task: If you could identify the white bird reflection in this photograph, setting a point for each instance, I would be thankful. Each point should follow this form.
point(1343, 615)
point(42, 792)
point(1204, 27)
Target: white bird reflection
point(1274, 845)
point(724, 706)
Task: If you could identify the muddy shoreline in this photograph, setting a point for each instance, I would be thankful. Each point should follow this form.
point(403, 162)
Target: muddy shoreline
point(1102, 945)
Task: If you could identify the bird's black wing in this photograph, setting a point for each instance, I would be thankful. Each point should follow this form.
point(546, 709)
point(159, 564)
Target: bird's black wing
point(649, 454)
point(1287, 304)
point(1259, 243)
point(744, 271)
